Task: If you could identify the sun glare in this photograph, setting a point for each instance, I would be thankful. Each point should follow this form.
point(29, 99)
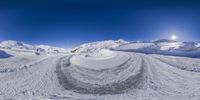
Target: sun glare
point(173, 37)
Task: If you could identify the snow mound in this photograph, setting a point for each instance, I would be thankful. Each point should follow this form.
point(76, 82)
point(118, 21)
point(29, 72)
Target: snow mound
point(100, 54)
point(99, 61)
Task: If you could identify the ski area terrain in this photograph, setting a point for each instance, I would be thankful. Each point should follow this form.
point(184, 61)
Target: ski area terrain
point(102, 70)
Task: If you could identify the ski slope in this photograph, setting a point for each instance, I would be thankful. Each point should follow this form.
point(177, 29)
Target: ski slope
point(99, 73)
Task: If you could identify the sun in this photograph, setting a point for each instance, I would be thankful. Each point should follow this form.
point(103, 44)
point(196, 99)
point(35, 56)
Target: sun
point(173, 37)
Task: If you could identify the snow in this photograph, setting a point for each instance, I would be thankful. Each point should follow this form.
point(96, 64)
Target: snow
point(50, 49)
point(38, 49)
point(14, 44)
point(102, 70)
point(97, 46)
point(164, 47)
point(102, 61)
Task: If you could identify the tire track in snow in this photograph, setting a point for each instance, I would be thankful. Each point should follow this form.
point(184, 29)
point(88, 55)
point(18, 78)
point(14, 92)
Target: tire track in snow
point(121, 86)
point(183, 67)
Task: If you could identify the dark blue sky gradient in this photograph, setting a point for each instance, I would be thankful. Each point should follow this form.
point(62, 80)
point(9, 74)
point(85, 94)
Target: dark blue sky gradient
point(68, 23)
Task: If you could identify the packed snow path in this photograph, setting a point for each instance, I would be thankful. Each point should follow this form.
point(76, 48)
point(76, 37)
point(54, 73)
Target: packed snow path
point(116, 75)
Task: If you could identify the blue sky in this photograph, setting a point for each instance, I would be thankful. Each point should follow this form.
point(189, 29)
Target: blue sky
point(68, 23)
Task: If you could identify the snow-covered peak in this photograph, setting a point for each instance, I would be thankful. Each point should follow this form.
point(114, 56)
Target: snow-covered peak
point(99, 45)
point(163, 40)
point(11, 43)
point(121, 41)
point(51, 49)
point(15, 45)
point(163, 46)
point(23, 47)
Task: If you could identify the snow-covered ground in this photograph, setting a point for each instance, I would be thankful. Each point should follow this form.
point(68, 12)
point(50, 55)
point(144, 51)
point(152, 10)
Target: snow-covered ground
point(103, 70)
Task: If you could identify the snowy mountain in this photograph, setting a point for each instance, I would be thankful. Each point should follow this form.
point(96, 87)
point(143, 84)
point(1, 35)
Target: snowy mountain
point(163, 46)
point(38, 49)
point(162, 40)
point(97, 46)
point(51, 49)
point(15, 45)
